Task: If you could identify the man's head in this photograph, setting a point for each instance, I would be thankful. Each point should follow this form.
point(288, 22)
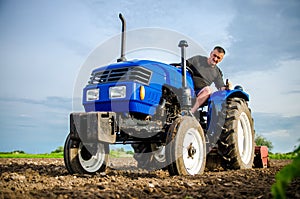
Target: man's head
point(216, 56)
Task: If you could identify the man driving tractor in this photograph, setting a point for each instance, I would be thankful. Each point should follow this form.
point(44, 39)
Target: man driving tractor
point(205, 72)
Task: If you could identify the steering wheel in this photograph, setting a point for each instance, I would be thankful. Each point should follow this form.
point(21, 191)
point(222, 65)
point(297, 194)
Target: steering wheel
point(178, 65)
point(190, 70)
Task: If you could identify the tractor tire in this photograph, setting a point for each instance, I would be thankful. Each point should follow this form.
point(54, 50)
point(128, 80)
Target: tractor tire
point(85, 159)
point(186, 147)
point(236, 142)
point(149, 156)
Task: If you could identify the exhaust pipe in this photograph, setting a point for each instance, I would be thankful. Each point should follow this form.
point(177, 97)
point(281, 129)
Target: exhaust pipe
point(122, 58)
point(186, 91)
point(183, 44)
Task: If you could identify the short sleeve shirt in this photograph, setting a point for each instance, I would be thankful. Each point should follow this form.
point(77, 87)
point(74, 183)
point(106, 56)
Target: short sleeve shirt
point(205, 74)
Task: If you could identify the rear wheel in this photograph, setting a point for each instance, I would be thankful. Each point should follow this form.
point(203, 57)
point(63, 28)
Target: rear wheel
point(85, 158)
point(236, 143)
point(186, 148)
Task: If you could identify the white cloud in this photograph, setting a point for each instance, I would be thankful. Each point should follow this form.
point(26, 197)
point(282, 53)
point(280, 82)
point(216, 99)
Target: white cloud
point(275, 90)
point(25, 115)
point(282, 131)
point(278, 133)
point(283, 140)
point(264, 33)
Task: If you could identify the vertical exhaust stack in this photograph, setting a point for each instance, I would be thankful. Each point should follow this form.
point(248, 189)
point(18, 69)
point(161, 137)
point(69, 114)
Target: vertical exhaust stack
point(186, 91)
point(123, 39)
point(183, 44)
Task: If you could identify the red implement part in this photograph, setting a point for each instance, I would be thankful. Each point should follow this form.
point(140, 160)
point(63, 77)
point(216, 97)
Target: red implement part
point(261, 159)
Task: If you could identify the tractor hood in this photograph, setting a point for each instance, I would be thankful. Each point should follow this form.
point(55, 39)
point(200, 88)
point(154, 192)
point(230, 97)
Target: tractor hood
point(131, 86)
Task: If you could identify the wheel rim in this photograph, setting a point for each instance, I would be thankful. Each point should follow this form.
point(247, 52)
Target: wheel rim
point(91, 157)
point(159, 154)
point(244, 138)
point(192, 151)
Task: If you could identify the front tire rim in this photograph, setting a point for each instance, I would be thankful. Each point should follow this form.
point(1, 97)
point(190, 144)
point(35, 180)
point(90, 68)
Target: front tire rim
point(244, 138)
point(91, 162)
point(159, 154)
point(192, 159)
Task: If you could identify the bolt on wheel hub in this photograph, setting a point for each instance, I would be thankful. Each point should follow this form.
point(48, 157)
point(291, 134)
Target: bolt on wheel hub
point(191, 151)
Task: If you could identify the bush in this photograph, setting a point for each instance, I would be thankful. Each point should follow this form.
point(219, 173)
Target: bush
point(59, 149)
point(262, 141)
point(130, 152)
point(18, 152)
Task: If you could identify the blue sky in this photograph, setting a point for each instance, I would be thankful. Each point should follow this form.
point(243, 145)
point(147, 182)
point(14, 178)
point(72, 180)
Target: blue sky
point(45, 44)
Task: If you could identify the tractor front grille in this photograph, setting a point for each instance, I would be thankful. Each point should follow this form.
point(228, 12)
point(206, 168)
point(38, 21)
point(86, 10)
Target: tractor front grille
point(138, 74)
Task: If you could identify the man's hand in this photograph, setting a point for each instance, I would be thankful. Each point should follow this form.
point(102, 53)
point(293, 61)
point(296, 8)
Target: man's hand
point(228, 85)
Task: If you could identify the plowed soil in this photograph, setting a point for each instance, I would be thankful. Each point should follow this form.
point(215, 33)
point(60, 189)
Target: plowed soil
point(48, 178)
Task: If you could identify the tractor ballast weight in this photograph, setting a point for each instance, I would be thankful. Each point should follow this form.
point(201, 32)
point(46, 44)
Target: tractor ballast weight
point(146, 104)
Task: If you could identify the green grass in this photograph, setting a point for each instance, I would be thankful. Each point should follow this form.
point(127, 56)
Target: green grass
point(25, 155)
point(113, 153)
point(280, 156)
point(120, 153)
point(116, 153)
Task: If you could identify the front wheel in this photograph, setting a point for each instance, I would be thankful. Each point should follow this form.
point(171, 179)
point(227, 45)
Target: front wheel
point(186, 147)
point(86, 158)
point(149, 156)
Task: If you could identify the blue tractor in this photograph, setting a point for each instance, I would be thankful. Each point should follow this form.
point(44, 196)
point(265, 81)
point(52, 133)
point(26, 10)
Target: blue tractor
point(146, 104)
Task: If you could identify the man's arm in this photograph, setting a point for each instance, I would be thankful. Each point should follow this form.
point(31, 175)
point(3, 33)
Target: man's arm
point(220, 82)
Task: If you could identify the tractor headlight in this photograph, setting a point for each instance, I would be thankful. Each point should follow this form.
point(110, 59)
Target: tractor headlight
point(92, 94)
point(117, 92)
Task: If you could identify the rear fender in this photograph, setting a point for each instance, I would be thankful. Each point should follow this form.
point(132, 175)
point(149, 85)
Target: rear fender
point(217, 99)
point(237, 93)
point(226, 94)
point(220, 96)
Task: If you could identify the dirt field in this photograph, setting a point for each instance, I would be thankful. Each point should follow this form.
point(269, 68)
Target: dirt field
point(48, 178)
